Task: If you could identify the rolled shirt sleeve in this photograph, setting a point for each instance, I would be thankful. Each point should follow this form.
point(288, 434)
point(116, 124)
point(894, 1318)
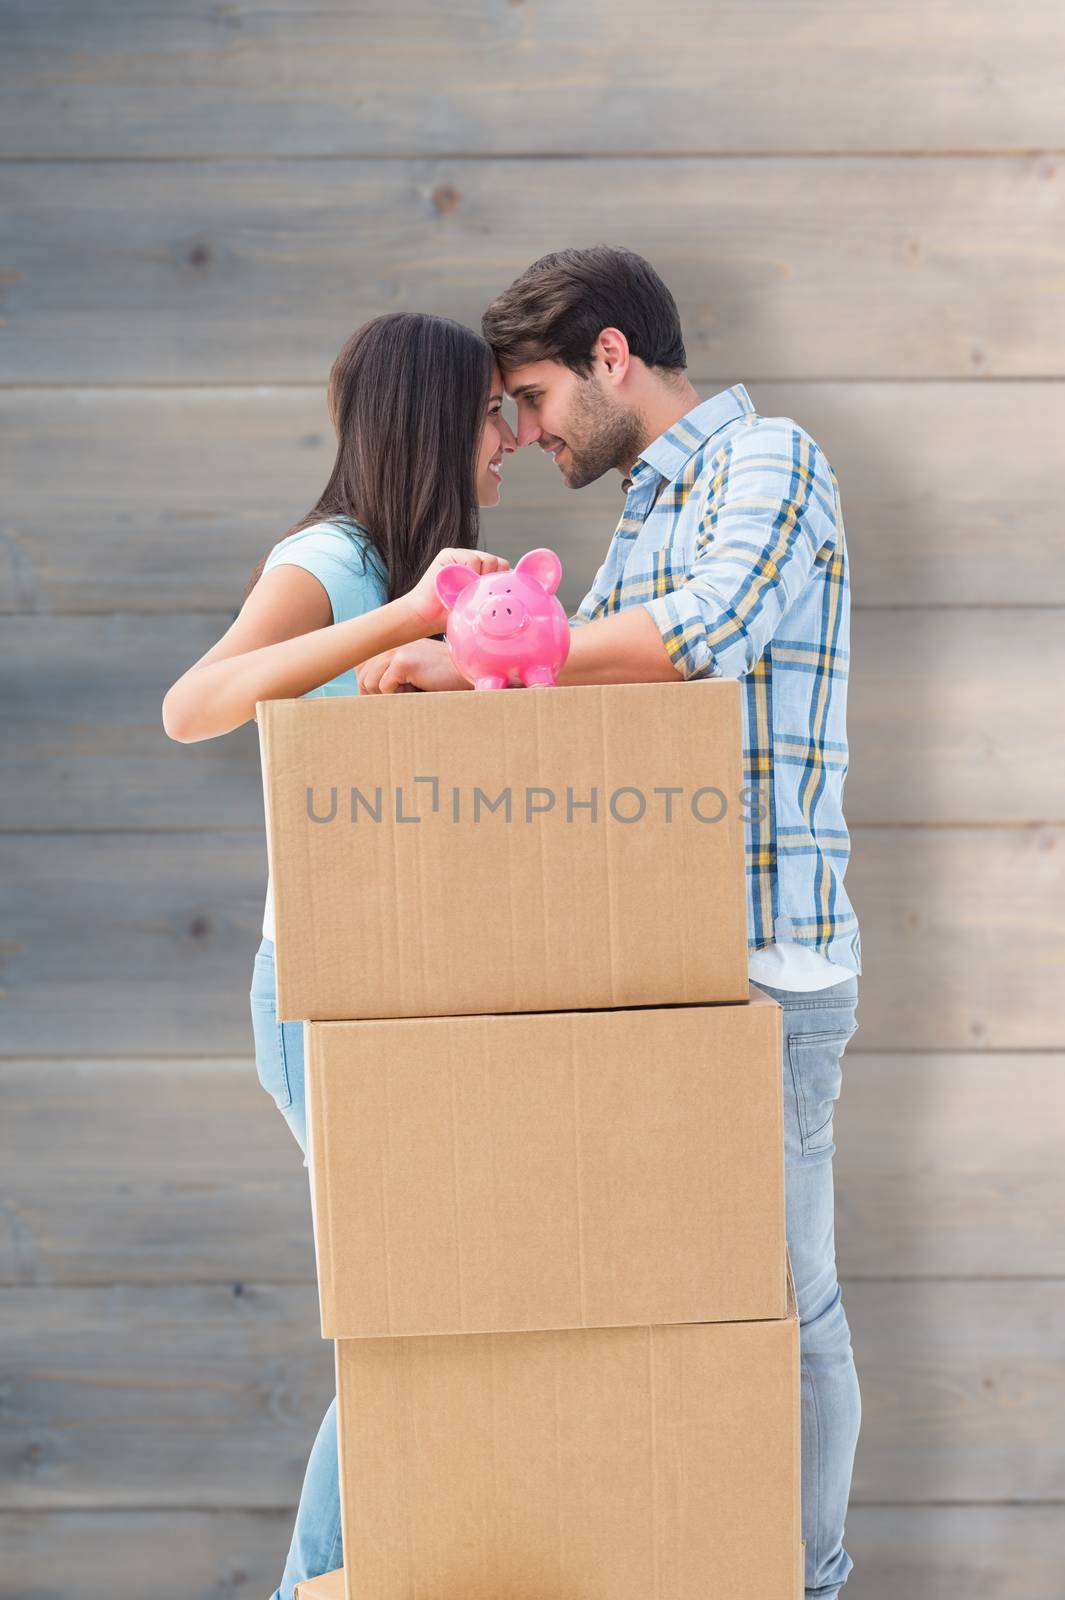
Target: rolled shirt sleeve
point(770, 516)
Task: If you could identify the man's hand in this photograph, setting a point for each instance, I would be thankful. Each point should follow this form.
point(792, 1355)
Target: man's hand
point(426, 664)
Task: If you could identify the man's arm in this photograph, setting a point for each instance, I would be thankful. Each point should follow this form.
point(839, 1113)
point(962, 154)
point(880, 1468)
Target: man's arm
point(770, 518)
point(625, 647)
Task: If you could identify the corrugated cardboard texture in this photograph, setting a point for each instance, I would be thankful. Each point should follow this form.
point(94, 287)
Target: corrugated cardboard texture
point(330, 1586)
point(547, 1170)
point(431, 903)
point(618, 1464)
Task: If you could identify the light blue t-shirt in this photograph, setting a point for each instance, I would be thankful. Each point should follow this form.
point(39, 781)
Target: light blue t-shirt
point(349, 569)
point(353, 575)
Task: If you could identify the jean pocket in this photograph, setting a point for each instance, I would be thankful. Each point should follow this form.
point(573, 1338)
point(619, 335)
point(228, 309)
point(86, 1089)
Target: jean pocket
point(817, 1077)
point(270, 1063)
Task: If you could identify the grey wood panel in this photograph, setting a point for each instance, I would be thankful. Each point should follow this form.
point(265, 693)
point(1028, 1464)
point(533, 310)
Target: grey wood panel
point(164, 499)
point(149, 1171)
point(130, 944)
point(184, 1396)
point(85, 746)
point(134, 944)
point(128, 79)
point(933, 1552)
point(144, 1555)
point(962, 937)
point(995, 1552)
point(937, 730)
point(950, 1165)
point(84, 740)
point(959, 1381)
point(167, 1171)
point(195, 1395)
point(956, 1552)
point(257, 271)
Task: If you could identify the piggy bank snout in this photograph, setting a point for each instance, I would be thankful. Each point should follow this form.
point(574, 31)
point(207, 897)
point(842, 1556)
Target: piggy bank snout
point(501, 615)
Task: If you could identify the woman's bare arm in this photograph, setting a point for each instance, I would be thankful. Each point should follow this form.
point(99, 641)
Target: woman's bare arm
point(284, 643)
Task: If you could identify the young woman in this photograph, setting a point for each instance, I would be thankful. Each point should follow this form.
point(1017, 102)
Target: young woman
point(416, 402)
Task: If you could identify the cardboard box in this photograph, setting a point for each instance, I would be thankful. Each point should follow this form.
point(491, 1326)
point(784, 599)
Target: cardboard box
point(526, 850)
point(330, 1586)
point(548, 1170)
point(653, 1463)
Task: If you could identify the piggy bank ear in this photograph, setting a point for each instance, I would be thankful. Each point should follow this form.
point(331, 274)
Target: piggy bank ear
point(543, 566)
point(451, 580)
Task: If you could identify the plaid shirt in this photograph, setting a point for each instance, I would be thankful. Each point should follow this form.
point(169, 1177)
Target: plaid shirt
point(732, 538)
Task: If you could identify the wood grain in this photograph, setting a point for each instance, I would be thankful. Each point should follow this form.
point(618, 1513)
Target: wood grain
point(168, 1397)
point(958, 1380)
point(163, 500)
point(130, 944)
point(132, 1555)
point(157, 1172)
point(121, 78)
point(937, 732)
point(996, 1552)
point(199, 204)
point(171, 1171)
point(256, 272)
point(948, 1165)
point(192, 1395)
point(135, 944)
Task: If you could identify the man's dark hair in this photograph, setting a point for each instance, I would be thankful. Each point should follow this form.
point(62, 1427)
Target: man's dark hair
point(560, 305)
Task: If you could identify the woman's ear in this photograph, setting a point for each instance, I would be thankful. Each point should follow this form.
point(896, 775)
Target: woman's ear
point(543, 566)
point(451, 580)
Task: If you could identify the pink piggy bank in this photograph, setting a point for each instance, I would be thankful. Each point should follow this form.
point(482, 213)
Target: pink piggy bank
point(506, 628)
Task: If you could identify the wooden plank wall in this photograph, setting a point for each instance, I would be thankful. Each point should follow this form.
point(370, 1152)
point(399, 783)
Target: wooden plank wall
point(862, 212)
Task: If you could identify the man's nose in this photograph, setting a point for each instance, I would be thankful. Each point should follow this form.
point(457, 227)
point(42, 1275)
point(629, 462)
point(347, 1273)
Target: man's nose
point(528, 431)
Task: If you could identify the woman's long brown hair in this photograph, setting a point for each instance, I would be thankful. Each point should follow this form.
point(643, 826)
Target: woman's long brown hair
point(407, 397)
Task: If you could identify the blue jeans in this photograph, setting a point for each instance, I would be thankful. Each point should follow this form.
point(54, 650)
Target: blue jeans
point(316, 1544)
point(816, 1027)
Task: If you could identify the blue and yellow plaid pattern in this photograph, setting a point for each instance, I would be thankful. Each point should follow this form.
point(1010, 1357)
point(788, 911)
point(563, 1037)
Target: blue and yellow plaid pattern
point(732, 538)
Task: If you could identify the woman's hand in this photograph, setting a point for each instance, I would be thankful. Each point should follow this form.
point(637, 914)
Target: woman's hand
point(423, 599)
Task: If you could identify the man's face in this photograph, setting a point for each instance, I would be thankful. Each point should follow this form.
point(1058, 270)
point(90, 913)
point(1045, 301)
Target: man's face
point(575, 420)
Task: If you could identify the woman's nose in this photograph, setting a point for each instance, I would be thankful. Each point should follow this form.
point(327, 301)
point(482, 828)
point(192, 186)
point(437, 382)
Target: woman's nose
point(506, 433)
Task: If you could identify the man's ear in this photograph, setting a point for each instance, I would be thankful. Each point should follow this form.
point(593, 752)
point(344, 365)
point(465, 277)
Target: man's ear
point(543, 566)
point(451, 580)
point(613, 348)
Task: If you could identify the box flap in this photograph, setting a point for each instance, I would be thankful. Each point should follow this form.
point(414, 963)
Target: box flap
point(330, 1586)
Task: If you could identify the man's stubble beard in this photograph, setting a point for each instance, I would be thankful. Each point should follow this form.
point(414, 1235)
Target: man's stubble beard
point(614, 437)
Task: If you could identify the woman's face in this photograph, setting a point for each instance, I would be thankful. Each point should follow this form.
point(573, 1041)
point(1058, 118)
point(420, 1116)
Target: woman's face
point(497, 440)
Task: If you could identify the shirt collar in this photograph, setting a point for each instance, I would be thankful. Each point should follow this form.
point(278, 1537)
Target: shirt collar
point(668, 453)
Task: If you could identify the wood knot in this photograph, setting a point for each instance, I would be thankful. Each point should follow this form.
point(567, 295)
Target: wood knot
point(446, 197)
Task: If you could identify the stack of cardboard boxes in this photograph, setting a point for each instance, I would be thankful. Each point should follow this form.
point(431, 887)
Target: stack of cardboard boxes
point(545, 1142)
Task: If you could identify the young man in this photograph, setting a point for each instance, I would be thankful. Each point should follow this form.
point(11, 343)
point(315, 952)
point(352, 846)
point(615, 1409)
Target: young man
point(729, 559)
